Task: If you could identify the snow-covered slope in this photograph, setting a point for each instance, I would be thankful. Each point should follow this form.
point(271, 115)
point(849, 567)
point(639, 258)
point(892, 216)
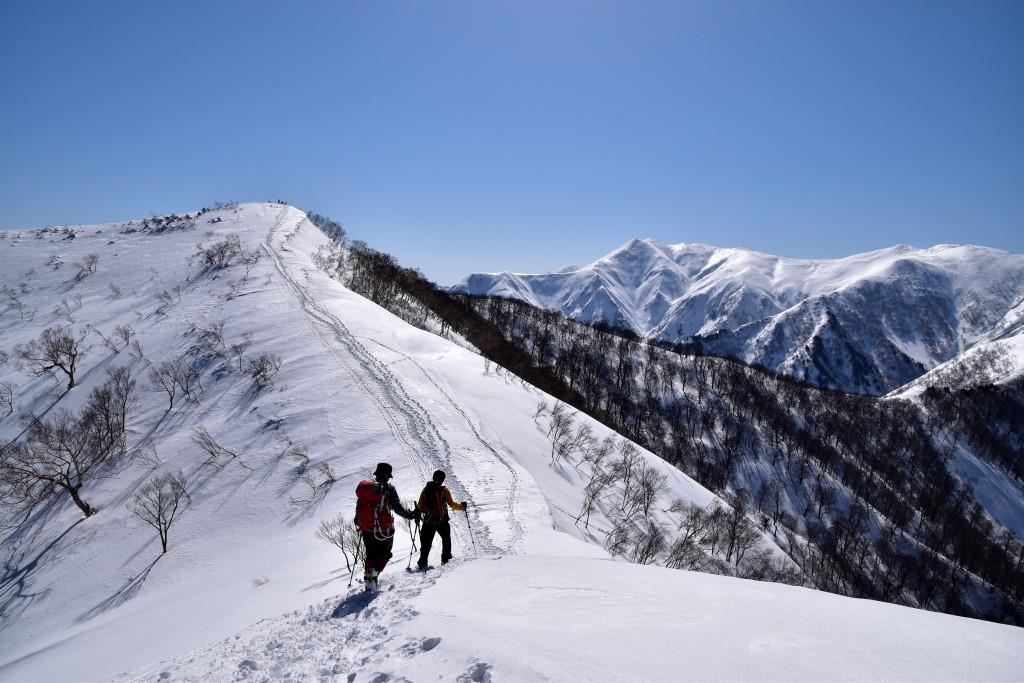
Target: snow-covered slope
point(605, 621)
point(866, 323)
point(996, 361)
point(85, 599)
point(356, 386)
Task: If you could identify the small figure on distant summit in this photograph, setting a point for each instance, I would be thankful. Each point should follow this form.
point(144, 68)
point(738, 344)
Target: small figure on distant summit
point(374, 502)
point(433, 505)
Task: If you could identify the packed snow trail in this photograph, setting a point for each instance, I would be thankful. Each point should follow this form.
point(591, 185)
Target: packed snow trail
point(514, 524)
point(410, 422)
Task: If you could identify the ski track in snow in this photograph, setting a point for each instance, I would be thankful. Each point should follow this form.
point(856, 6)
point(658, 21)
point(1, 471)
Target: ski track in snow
point(513, 484)
point(408, 420)
point(329, 640)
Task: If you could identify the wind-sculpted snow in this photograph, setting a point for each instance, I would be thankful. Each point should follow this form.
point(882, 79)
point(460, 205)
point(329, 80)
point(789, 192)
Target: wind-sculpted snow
point(867, 323)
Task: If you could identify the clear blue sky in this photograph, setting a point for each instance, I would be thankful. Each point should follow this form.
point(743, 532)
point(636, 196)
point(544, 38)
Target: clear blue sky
point(478, 136)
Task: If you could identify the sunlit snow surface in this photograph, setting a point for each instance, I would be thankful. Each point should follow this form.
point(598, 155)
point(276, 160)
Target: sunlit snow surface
point(535, 618)
point(532, 595)
point(874, 321)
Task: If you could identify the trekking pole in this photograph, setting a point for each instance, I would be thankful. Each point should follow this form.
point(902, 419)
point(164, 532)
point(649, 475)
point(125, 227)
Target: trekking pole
point(408, 565)
point(475, 553)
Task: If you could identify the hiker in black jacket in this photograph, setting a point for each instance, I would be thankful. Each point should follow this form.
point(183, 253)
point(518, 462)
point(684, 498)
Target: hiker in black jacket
point(433, 504)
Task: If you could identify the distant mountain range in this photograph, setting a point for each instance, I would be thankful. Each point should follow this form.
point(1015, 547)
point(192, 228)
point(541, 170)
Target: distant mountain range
point(868, 323)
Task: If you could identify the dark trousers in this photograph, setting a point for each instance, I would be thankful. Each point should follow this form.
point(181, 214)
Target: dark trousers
point(427, 538)
point(378, 551)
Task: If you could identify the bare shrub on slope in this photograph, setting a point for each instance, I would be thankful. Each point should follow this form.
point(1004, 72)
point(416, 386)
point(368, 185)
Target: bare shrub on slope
point(158, 502)
point(57, 348)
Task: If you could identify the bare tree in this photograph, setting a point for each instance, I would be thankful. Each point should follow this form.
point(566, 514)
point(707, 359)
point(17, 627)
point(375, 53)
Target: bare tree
point(210, 342)
point(649, 544)
point(177, 378)
point(219, 254)
point(249, 260)
point(6, 398)
point(329, 477)
point(67, 309)
point(148, 456)
point(694, 526)
point(13, 301)
point(559, 429)
point(740, 534)
point(649, 488)
point(67, 452)
point(87, 267)
point(56, 349)
point(217, 454)
point(342, 534)
point(158, 503)
point(125, 333)
point(239, 348)
point(617, 542)
point(592, 492)
point(264, 369)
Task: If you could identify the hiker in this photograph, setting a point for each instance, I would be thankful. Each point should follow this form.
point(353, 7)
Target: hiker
point(433, 505)
point(374, 502)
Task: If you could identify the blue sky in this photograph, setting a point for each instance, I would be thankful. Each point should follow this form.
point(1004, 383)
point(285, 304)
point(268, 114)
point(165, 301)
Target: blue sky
point(480, 136)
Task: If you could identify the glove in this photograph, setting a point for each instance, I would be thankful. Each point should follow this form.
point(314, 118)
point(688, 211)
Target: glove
point(465, 504)
point(417, 515)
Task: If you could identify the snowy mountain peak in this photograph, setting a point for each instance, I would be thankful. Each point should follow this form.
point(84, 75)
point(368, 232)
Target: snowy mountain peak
point(896, 312)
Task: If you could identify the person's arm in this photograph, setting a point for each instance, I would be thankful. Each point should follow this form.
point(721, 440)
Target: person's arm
point(451, 502)
point(396, 504)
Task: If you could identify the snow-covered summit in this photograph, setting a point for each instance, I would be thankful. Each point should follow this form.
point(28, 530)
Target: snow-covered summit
point(865, 323)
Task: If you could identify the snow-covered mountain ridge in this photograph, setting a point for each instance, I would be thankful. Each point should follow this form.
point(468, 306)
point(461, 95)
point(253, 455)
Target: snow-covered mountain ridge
point(867, 323)
point(85, 599)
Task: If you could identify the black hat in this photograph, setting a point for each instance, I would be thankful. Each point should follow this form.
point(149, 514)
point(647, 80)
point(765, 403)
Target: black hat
point(438, 476)
point(383, 470)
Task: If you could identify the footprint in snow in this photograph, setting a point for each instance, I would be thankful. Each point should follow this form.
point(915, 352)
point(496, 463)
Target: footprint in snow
point(414, 647)
point(353, 604)
point(478, 673)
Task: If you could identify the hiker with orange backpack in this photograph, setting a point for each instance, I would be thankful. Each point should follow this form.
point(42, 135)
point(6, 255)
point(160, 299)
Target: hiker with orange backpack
point(374, 502)
point(433, 506)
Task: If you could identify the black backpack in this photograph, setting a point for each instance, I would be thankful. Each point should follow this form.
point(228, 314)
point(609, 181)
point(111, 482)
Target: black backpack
point(433, 503)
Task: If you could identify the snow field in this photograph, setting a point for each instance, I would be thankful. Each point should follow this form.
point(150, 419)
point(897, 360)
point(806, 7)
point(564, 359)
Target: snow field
point(357, 386)
point(536, 617)
point(535, 598)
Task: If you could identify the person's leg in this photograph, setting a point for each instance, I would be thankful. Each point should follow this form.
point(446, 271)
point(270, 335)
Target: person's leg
point(385, 553)
point(369, 555)
point(426, 540)
point(378, 552)
point(445, 530)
